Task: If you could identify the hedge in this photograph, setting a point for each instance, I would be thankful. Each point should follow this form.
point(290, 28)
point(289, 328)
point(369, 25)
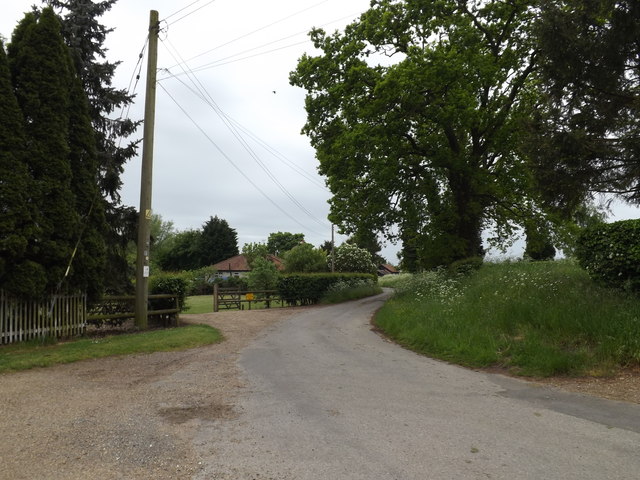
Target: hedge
point(309, 288)
point(610, 252)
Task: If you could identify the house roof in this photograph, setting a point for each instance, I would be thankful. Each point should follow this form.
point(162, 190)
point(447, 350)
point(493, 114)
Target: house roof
point(239, 263)
point(234, 264)
point(388, 268)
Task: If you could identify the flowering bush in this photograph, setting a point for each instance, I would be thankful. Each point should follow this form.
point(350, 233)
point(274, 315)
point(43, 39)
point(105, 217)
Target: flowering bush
point(350, 258)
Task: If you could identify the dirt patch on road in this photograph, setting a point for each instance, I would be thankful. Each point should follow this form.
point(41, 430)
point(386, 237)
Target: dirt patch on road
point(128, 417)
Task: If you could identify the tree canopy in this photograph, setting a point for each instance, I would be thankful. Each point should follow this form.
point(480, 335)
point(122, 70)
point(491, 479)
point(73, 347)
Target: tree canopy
point(194, 249)
point(414, 112)
point(280, 242)
point(586, 135)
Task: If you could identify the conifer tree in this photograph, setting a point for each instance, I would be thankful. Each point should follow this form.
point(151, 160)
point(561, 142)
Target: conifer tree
point(88, 265)
point(40, 69)
point(85, 36)
point(18, 275)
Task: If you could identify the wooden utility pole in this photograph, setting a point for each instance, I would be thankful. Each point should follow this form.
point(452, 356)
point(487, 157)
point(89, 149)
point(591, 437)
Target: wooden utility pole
point(144, 215)
point(333, 250)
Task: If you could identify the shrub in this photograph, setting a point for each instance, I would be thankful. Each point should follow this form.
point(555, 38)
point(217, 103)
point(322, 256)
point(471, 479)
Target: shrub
point(308, 289)
point(305, 259)
point(169, 283)
point(351, 289)
point(201, 281)
point(351, 258)
point(610, 252)
point(466, 266)
point(263, 276)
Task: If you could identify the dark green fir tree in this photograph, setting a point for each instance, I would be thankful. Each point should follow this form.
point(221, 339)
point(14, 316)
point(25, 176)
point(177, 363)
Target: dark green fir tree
point(18, 275)
point(40, 69)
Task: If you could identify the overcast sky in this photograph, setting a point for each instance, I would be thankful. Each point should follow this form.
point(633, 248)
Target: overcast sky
point(261, 177)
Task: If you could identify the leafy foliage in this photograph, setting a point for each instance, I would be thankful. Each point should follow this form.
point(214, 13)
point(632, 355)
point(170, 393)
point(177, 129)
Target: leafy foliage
point(194, 249)
point(586, 134)
point(350, 258)
point(253, 251)
point(263, 275)
point(180, 252)
point(281, 242)
point(308, 289)
point(415, 113)
point(304, 258)
point(85, 37)
point(173, 283)
point(611, 253)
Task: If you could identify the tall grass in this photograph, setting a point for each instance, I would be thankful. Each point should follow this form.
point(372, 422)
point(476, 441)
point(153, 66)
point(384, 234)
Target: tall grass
point(540, 319)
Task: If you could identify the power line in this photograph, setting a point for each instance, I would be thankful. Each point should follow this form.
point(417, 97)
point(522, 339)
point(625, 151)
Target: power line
point(237, 125)
point(248, 179)
point(257, 30)
point(220, 62)
point(188, 14)
point(206, 97)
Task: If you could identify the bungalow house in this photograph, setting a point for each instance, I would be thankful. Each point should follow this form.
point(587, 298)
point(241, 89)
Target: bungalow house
point(238, 266)
point(387, 269)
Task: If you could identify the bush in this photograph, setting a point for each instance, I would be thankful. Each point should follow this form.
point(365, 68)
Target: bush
point(308, 289)
point(201, 281)
point(263, 276)
point(610, 252)
point(169, 283)
point(351, 258)
point(351, 289)
point(305, 259)
point(466, 266)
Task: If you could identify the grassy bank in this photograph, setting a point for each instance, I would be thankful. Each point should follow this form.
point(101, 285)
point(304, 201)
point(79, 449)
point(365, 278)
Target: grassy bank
point(35, 354)
point(537, 319)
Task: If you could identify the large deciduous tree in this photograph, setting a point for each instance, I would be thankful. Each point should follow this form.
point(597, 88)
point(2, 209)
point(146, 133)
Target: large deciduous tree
point(414, 112)
point(279, 243)
point(586, 136)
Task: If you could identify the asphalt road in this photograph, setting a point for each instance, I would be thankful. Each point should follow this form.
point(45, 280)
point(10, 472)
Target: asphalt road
point(328, 398)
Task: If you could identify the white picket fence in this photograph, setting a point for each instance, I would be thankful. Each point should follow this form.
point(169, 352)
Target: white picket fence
point(58, 316)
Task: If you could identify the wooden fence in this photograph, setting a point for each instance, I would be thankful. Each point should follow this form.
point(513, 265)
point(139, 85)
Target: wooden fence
point(234, 299)
point(57, 316)
point(63, 316)
point(114, 310)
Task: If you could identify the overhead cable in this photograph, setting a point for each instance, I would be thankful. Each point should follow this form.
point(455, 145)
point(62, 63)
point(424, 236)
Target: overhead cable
point(206, 97)
point(247, 178)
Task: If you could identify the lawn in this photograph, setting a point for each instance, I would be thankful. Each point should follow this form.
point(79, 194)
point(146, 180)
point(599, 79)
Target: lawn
point(43, 354)
point(534, 318)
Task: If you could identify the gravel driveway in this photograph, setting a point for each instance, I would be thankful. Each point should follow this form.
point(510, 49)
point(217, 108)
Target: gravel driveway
point(159, 416)
point(124, 418)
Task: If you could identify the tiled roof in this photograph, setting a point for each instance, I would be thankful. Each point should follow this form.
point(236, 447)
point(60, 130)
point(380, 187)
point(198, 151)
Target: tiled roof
point(389, 268)
point(239, 263)
point(235, 264)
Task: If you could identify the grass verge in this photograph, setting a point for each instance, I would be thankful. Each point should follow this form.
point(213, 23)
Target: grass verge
point(36, 354)
point(537, 319)
point(351, 293)
point(198, 304)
